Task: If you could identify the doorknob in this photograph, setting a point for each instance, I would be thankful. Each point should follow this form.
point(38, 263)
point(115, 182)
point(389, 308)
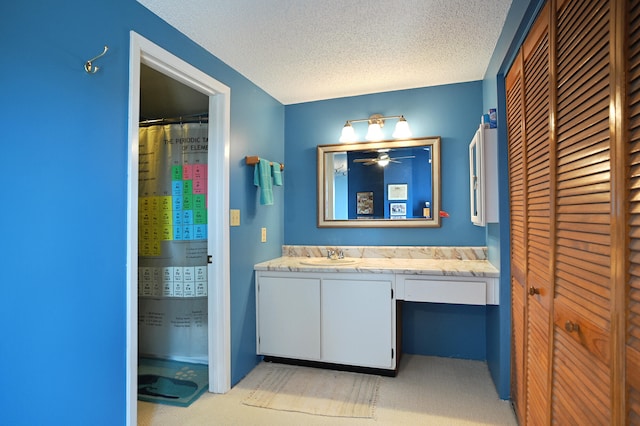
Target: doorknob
point(533, 291)
point(571, 326)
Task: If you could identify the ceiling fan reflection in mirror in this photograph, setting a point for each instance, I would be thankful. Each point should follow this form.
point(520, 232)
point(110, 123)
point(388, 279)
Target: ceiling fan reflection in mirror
point(383, 159)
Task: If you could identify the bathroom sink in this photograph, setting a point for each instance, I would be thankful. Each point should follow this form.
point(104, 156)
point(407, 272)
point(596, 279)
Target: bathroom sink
point(324, 261)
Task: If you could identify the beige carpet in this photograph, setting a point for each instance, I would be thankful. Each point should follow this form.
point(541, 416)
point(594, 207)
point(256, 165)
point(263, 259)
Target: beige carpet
point(316, 391)
point(427, 391)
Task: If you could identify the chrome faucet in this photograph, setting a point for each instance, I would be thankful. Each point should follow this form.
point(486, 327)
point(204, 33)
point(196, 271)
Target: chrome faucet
point(331, 254)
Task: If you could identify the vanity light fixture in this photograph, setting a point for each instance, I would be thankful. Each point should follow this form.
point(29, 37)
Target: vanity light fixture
point(374, 132)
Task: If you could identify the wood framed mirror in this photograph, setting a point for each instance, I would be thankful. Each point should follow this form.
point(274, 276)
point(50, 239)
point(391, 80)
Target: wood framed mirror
point(386, 184)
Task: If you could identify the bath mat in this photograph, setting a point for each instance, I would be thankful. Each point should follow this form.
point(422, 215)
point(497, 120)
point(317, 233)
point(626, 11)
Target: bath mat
point(171, 382)
point(316, 391)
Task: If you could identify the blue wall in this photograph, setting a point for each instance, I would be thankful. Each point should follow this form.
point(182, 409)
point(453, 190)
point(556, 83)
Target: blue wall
point(450, 111)
point(445, 330)
point(63, 303)
point(364, 179)
point(519, 19)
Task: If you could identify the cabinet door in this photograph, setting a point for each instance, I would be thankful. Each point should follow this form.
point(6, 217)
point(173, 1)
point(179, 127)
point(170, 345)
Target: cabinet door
point(476, 179)
point(483, 176)
point(288, 316)
point(358, 322)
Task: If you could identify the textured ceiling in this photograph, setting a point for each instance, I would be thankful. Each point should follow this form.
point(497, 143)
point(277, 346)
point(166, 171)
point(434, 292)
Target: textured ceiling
point(301, 50)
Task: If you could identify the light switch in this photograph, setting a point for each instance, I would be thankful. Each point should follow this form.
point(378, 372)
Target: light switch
point(234, 217)
point(263, 238)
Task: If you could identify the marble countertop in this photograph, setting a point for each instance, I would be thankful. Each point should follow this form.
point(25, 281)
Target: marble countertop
point(461, 265)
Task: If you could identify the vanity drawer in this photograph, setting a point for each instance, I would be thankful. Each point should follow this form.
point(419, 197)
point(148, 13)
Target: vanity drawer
point(442, 290)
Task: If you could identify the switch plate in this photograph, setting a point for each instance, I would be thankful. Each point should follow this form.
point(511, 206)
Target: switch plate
point(234, 217)
point(263, 237)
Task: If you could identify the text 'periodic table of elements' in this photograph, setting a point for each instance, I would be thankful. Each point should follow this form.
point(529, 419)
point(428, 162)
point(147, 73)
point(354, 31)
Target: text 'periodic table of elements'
point(180, 215)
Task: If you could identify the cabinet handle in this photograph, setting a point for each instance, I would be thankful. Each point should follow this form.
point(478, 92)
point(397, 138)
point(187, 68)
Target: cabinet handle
point(533, 291)
point(571, 326)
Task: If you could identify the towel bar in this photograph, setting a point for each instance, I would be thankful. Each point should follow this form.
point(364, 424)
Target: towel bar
point(254, 159)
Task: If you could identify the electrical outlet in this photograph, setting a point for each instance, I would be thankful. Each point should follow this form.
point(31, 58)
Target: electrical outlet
point(263, 237)
point(234, 219)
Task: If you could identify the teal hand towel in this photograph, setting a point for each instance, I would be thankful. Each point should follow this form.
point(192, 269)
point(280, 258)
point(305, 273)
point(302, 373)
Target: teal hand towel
point(277, 174)
point(262, 179)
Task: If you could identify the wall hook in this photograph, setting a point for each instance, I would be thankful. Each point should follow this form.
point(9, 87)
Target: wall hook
point(88, 66)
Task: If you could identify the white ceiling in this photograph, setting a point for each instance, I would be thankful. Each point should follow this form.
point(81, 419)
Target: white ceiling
point(303, 50)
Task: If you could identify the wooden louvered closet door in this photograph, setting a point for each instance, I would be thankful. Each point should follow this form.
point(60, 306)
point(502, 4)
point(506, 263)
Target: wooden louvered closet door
point(528, 93)
point(632, 338)
point(583, 282)
point(517, 167)
point(573, 118)
point(535, 51)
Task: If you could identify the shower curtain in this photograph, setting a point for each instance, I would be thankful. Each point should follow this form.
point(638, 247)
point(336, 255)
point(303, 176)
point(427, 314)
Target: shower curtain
point(172, 242)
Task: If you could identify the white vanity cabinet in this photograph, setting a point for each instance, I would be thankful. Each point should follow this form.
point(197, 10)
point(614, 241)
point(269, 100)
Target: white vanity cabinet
point(483, 176)
point(358, 321)
point(339, 318)
point(288, 315)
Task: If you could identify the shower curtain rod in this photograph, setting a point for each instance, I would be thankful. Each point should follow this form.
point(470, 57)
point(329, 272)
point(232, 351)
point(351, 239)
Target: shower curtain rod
point(192, 118)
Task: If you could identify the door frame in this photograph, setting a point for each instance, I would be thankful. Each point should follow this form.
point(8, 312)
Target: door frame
point(143, 51)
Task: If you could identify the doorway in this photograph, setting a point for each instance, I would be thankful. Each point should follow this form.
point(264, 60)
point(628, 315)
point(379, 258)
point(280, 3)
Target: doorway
point(144, 55)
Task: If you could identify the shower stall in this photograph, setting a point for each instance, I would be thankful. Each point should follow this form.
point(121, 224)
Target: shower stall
point(172, 241)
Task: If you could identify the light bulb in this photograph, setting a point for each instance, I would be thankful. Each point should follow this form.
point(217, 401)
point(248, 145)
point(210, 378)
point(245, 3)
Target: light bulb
point(383, 160)
point(374, 133)
point(348, 134)
point(402, 130)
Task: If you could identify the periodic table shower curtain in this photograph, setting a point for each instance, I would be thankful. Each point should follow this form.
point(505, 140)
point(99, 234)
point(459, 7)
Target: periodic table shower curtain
point(172, 242)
